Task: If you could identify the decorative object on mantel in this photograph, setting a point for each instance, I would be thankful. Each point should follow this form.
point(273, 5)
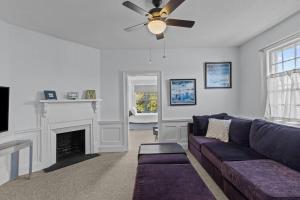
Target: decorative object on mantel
point(218, 75)
point(72, 95)
point(50, 95)
point(90, 94)
point(183, 92)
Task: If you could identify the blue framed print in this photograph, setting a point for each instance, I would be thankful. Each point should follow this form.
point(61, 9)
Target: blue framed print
point(218, 75)
point(183, 92)
point(50, 95)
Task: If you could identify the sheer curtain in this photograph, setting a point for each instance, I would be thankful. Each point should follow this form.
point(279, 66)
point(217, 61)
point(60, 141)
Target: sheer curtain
point(283, 96)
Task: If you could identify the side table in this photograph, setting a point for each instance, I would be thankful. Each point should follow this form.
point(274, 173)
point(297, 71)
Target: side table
point(14, 148)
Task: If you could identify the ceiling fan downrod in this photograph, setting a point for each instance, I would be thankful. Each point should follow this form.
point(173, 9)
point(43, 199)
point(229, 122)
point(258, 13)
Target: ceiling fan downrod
point(157, 3)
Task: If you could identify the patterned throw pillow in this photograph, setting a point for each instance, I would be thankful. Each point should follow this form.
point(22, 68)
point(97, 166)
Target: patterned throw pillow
point(218, 129)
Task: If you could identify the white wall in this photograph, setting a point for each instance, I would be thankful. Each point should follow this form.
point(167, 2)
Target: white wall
point(31, 62)
point(180, 63)
point(253, 87)
point(4, 54)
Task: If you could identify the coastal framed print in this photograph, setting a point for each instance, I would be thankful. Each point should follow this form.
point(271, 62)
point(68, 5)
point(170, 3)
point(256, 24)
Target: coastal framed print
point(218, 75)
point(183, 92)
point(50, 95)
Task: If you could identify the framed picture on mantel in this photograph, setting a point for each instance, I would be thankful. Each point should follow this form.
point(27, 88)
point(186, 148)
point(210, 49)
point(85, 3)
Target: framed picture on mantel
point(218, 75)
point(50, 95)
point(183, 92)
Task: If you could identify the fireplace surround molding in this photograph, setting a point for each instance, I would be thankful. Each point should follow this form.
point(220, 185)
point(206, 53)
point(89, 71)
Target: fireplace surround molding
point(67, 117)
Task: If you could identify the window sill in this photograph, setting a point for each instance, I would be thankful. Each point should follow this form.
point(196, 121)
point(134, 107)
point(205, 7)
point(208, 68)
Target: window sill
point(291, 123)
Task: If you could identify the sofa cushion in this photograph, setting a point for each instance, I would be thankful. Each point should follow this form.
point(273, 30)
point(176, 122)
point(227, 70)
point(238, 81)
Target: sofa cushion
point(239, 130)
point(217, 153)
point(197, 141)
point(277, 142)
point(165, 182)
point(163, 159)
point(200, 123)
point(263, 179)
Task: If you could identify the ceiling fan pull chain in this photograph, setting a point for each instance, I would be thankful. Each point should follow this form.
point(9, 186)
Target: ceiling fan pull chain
point(165, 49)
point(150, 56)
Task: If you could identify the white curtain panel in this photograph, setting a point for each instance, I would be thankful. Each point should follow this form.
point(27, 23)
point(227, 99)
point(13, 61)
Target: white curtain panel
point(283, 99)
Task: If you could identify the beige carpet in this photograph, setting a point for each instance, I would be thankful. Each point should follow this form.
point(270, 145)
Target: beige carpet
point(108, 177)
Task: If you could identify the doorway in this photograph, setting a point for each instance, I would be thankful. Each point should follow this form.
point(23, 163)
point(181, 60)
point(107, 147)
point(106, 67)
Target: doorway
point(142, 107)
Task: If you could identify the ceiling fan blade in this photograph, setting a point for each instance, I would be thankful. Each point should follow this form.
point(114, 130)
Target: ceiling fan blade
point(181, 23)
point(160, 36)
point(171, 6)
point(131, 28)
point(136, 8)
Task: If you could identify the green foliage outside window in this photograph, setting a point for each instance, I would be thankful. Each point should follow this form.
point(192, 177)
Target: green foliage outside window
point(146, 102)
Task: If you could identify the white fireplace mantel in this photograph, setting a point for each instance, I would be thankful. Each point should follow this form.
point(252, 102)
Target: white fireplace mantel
point(60, 116)
point(94, 103)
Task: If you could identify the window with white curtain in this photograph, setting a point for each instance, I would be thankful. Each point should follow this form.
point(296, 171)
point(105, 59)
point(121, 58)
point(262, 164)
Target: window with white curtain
point(283, 82)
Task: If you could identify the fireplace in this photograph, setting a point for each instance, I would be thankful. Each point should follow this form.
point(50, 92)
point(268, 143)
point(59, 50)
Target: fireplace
point(70, 144)
point(64, 116)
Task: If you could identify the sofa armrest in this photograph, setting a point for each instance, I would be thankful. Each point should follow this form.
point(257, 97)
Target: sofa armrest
point(190, 128)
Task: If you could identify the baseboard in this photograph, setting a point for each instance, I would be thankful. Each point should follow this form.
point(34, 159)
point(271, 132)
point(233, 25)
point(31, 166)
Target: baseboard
point(23, 170)
point(36, 166)
point(111, 149)
point(184, 145)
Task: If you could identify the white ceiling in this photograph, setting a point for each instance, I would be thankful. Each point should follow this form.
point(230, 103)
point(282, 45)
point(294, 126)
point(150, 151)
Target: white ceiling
point(100, 23)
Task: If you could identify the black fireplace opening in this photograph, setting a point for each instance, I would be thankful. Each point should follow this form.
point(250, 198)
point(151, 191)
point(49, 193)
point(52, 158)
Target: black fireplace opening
point(70, 144)
point(70, 150)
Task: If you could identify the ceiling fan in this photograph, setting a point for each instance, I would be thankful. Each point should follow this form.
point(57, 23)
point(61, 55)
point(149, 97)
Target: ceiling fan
point(158, 17)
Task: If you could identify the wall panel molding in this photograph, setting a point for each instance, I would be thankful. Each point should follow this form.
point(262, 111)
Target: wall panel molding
point(111, 136)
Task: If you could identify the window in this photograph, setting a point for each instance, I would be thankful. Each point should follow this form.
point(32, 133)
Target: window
point(283, 82)
point(146, 98)
point(285, 59)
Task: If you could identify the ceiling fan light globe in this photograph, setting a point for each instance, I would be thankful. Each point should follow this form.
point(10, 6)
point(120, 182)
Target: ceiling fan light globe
point(157, 26)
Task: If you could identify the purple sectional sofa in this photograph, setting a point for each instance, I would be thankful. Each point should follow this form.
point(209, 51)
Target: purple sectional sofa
point(261, 161)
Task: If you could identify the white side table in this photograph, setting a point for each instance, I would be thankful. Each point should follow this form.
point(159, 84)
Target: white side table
point(14, 148)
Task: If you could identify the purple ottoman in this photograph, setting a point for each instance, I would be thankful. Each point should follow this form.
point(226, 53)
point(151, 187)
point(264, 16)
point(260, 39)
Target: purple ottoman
point(162, 153)
point(263, 179)
point(169, 182)
point(163, 159)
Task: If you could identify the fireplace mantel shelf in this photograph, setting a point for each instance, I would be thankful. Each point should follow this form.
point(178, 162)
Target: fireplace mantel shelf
point(71, 101)
point(94, 103)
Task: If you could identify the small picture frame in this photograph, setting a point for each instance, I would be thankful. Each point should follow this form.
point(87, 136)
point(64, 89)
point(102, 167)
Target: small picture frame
point(183, 92)
point(50, 95)
point(218, 75)
point(90, 94)
point(72, 95)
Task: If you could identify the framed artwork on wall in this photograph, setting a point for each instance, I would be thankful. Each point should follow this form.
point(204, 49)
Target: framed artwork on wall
point(90, 94)
point(218, 75)
point(50, 95)
point(183, 92)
